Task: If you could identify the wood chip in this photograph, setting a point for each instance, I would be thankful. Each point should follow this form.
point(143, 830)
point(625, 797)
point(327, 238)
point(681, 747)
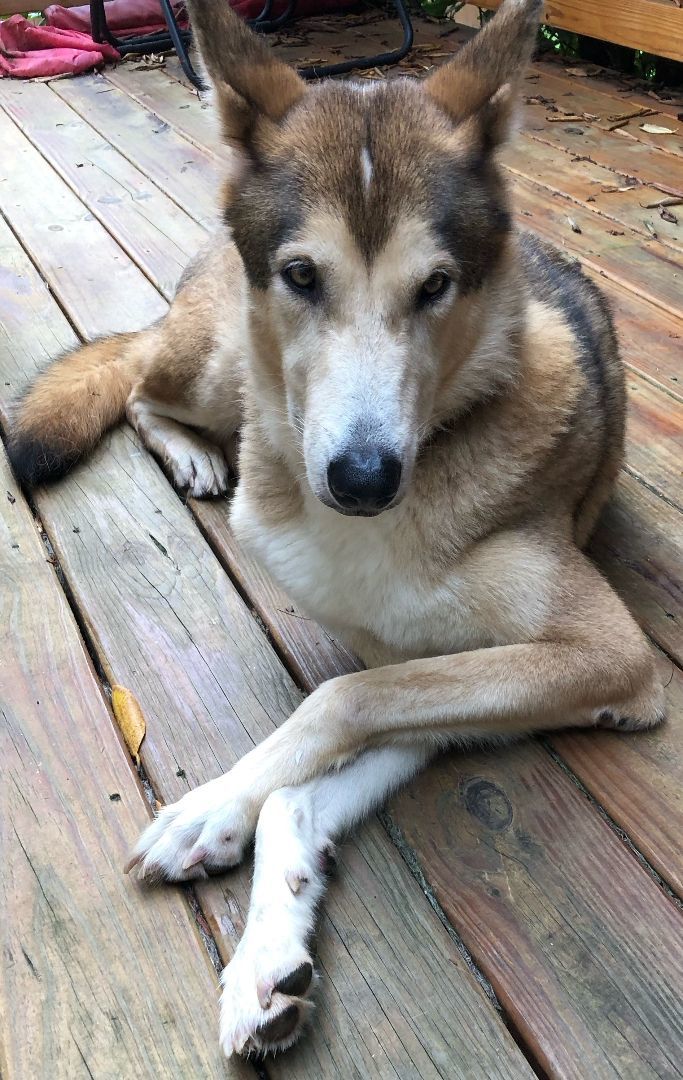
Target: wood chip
point(618, 117)
point(651, 229)
point(130, 719)
point(670, 200)
point(655, 129)
point(666, 215)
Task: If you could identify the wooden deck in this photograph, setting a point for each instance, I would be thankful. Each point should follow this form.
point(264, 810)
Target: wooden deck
point(510, 914)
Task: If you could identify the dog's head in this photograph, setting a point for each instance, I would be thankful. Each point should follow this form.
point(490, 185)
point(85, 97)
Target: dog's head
point(369, 217)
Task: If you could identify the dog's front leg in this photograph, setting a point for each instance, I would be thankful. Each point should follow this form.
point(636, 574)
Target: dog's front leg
point(590, 664)
point(267, 986)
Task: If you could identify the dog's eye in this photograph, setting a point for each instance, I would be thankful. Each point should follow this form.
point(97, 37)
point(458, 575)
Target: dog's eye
point(434, 287)
point(300, 276)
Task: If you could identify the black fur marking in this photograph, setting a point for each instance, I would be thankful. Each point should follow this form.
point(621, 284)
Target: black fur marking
point(35, 462)
point(297, 982)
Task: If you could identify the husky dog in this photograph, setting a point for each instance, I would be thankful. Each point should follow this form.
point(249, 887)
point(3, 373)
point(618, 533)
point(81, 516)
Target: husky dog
point(430, 410)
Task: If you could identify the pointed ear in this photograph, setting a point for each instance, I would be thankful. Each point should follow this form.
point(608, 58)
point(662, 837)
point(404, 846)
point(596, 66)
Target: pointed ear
point(485, 73)
point(249, 83)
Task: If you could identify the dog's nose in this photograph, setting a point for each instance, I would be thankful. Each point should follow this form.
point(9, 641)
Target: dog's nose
point(364, 479)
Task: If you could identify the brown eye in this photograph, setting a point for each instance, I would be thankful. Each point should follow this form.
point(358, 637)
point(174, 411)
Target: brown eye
point(301, 276)
point(434, 287)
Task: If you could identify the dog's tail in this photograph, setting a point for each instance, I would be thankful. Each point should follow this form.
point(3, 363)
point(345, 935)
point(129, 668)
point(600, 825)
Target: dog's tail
point(67, 410)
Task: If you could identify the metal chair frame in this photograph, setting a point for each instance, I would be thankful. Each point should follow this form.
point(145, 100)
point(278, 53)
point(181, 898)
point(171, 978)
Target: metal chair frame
point(180, 40)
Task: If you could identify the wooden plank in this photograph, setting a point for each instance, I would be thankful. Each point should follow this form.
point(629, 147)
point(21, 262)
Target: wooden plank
point(648, 269)
point(186, 174)
point(73, 249)
point(551, 904)
point(620, 88)
point(165, 620)
point(640, 780)
point(650, 339)
point(638, 547)
point(158, 236)
point(655, 26)
point(624, 156)
point(597, 190)
point(176, 104)
point(577, 96)
point(91, 965)
point(654, 439)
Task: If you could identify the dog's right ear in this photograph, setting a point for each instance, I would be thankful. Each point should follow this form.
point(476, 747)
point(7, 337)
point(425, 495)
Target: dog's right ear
point(251, 86)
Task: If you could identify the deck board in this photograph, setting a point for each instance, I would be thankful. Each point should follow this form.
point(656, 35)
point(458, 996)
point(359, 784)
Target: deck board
point(113, 182)
point(88, 962)
point(155, 232)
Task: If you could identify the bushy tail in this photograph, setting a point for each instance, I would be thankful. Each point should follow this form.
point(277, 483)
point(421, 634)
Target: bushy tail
point(64, 414)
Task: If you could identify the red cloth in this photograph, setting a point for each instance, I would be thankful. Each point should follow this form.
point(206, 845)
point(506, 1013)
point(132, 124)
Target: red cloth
point(28, 51)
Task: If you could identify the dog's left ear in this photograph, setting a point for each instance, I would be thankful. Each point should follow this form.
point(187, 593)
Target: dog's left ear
point(482, 80)
point(252, 88)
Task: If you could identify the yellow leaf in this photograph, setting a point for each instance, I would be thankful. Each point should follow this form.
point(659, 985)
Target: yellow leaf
point(129, 718)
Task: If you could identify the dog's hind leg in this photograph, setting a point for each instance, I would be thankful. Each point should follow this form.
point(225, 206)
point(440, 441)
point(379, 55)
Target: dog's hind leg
point(267, 986)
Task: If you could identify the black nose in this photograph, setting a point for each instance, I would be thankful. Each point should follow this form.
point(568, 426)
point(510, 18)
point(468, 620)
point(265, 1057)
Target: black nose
point(364, 479)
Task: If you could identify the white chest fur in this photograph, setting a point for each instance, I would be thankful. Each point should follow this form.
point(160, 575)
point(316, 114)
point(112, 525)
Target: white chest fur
point(360, 577)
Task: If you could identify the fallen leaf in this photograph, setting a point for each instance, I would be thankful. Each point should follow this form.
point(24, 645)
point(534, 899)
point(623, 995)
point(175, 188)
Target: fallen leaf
point(655, 129)
point(129, 718)
point(573, 225)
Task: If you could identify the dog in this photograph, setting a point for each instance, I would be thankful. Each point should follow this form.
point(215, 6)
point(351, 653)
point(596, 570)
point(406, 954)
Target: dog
point(430, 408)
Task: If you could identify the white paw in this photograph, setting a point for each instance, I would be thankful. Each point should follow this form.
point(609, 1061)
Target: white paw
point(265, 1001)
point(204, 833)
point(267, 986)
point(199, 469)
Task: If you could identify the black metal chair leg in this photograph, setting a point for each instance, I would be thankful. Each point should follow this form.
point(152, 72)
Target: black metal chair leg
point(180, 46)
point(173, 37)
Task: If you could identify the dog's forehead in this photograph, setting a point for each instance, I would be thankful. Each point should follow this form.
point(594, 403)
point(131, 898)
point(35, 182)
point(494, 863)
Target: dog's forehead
point(372, 157)
point(366, 152)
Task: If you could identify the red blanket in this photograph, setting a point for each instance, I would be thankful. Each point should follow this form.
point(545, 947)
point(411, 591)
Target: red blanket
point(28, 51)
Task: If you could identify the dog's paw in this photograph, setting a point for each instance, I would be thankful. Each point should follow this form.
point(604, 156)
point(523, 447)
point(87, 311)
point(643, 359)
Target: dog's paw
point(199, 469)
point(622, 720)
point(205, 833)
point(265, 1001)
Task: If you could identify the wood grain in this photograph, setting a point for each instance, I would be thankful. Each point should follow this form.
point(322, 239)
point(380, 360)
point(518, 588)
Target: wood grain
point(185, 173)
point(585, 95)
point(85, 263)
point(639, 780)
point(637, 545)
point(158, 236)
point(649, 269)
point(655, 26)
point(89, 981)
point(165, 621)
point(581, 945)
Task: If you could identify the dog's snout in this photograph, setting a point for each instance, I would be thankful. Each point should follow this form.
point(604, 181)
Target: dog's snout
point(364, 479)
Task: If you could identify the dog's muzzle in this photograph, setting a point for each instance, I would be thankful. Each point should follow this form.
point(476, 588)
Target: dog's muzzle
point(364, 480)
